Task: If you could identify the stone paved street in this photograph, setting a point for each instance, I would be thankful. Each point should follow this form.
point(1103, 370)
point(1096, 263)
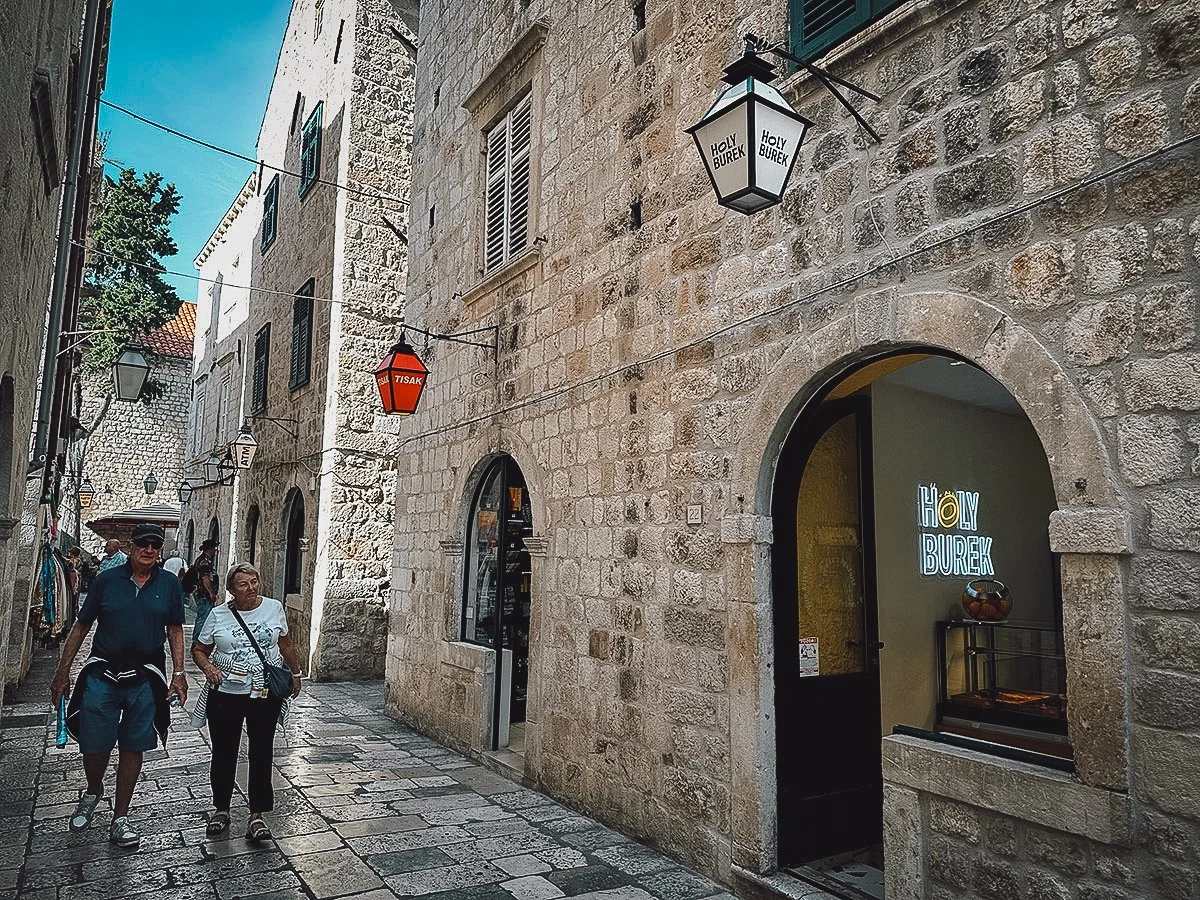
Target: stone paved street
point(364, 807)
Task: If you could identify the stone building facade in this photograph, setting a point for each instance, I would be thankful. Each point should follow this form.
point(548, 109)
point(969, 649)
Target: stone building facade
point(1029, 218)
point(315, 510)
point(130, 441)
point(37, 41)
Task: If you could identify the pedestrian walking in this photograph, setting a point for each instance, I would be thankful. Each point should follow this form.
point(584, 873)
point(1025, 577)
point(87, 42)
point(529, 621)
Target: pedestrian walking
point(201, 582)
point(176, 565)
point(242, 641)
point(122, 695)
point(113, 556)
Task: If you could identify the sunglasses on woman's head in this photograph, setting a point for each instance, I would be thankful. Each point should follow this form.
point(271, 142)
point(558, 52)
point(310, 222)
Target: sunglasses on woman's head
point(148, 542)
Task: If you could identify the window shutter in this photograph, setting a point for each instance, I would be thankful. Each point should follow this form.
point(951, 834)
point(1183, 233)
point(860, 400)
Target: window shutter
point(819, 24)
point(310, 150)
point(494, 215)
point(270, 213)
point(518, 203)
point(262, 350)
point(301, 358)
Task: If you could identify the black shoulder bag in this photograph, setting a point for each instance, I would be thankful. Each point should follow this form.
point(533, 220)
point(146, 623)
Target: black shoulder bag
point(278, 679)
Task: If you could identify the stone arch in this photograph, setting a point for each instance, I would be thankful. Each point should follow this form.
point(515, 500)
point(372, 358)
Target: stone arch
point(484, 451)
point(1090, 531)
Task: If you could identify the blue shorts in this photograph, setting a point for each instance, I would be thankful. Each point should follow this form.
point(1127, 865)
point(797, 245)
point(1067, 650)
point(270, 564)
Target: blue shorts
point(110, 716)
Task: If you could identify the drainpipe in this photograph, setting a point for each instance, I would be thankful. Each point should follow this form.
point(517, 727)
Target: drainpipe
point(84, 83)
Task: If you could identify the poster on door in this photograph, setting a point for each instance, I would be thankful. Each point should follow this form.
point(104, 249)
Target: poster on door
point(810, 656)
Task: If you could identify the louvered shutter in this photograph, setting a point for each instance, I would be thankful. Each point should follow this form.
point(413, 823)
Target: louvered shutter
point(520, 139)
point(301, 357)
point(270, 213)
point(819, 24)
point(494, 206)
point(262, 351)
point(310, 150)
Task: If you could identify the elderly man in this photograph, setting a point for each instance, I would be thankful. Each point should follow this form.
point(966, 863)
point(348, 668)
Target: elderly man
point(113, 556)
point(122, 695)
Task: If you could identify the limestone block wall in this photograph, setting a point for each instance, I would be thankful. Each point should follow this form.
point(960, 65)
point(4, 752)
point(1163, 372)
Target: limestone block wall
point(33, 36)
point(635, 378)
point(132, 440)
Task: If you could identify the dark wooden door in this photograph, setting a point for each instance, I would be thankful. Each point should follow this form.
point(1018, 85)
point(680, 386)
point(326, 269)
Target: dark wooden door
point(826, 638)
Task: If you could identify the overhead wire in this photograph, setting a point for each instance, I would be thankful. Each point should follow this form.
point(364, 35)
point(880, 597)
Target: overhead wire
point(374, 194)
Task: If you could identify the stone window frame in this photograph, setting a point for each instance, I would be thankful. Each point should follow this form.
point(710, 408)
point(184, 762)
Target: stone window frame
point(310, 151)
point(518, 73)
point(1090, 533)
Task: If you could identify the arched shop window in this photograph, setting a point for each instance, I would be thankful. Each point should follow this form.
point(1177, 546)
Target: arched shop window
point(496, 604)
point(908, 480)
point(294, 536)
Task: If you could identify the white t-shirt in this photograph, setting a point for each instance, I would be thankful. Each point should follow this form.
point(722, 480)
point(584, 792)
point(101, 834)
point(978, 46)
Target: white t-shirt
point(267, 621)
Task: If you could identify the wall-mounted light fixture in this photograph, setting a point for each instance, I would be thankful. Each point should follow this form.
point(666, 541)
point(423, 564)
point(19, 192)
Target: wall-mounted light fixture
point(400, 377)
point(150, 484)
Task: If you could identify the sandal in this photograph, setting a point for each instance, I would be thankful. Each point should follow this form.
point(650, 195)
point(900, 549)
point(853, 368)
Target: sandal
point(257, 830)
point(218, 823)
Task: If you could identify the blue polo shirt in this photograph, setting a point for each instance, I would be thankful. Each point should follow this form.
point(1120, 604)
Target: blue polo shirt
point(131, 621)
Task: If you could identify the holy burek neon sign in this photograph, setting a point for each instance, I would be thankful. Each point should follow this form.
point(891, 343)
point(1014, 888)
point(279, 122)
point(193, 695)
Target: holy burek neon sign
point(945, 546)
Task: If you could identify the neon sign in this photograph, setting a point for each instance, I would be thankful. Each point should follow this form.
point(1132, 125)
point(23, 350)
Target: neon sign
point(945, 550)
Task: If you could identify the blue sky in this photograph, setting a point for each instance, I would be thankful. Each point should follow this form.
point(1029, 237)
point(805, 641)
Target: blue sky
point(201, 68)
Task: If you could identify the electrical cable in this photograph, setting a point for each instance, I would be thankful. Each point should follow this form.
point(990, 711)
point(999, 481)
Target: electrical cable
point(835, 286)
point(377, 195)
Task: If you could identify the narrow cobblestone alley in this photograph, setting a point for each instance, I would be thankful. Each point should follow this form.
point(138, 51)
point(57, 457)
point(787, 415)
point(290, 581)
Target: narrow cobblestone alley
point(364, 808)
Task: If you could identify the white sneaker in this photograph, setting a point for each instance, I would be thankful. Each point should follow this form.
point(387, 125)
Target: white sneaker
point(122, 833)
point(83, 812)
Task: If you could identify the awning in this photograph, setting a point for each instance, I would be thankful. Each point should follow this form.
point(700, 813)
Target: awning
point(119, 525)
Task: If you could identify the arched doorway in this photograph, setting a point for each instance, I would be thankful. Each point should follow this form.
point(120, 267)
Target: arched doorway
point(497, 583)
point(904, 479)
point(190, 542)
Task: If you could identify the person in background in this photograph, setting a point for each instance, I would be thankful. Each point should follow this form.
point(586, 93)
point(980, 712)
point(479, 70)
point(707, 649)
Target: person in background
point(113, 556)
point(235, 694)
point(176, 565)
point(123, 693)
point(203, 576)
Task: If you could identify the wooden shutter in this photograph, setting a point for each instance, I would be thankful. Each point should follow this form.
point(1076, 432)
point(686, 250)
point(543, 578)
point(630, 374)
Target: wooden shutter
point(310, 151)
point(262, 352)
point(494, 206)
point(270, 213)
point(819, 24)
point(520, 139)
point(301, 358)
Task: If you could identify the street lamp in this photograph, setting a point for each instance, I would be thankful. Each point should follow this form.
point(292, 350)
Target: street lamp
point(244, 447)
point(400, 378)
point(226, 467)
point(750, 137)
point(150, 484)
point(86, 493)
point(212, 468)
point(185, 491)
point(130, 372)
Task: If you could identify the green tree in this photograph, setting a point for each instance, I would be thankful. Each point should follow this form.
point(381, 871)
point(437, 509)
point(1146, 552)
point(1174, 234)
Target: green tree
point(123, 292)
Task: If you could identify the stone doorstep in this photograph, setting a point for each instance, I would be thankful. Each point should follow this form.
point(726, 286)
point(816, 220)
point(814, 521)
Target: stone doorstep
point(773, 885)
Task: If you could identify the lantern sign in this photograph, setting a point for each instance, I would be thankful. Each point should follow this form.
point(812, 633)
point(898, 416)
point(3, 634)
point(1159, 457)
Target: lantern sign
point(130, 372)
point(243, 447)
point(400, 379)
point(86, 492)
point(750, 138)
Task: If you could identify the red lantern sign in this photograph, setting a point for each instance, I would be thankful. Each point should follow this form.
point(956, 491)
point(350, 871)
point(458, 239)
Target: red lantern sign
point(400, 378)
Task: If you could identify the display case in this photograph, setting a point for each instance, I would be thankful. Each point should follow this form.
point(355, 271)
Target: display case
point(1008, 676)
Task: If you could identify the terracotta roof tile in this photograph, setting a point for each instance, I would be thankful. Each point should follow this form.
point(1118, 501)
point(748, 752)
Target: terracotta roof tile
point(175, 338)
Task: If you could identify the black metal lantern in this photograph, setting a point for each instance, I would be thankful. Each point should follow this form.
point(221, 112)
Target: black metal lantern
point(226, 467)
point(750, 138)
point(185, 491)
point(86, 493)
point(244, 447)
point(150, 484)
point(130, 372)
point(212, 468)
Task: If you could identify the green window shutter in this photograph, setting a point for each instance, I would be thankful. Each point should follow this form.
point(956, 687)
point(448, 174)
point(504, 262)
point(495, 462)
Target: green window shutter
point(819, 24)
point(270, 215)
point(262, 354)
point(310, 151)
point(301, 357)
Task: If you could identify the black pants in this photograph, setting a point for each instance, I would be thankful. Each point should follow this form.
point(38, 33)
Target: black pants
point(226, 713)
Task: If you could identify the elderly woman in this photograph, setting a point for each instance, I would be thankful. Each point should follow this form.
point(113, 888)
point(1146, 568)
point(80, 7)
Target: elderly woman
point(235, 693)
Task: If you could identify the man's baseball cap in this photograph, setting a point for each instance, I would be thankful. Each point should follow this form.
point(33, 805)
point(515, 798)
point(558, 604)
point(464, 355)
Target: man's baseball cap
point(210, 544)
point(147, 530)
